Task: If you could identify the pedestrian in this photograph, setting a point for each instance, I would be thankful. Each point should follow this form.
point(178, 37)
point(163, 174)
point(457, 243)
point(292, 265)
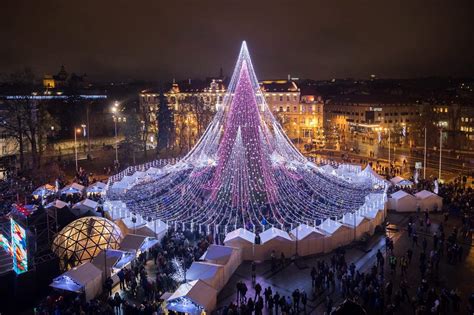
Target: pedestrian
point(258, 290)
point(254, 271)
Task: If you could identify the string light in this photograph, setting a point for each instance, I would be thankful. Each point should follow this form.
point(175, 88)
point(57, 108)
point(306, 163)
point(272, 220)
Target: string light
point(245, 170)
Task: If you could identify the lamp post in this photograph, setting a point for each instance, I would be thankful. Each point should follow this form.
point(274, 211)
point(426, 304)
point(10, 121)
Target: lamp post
point(114, 110)
point(424, 158)
point(76, 131)
point(440, 151)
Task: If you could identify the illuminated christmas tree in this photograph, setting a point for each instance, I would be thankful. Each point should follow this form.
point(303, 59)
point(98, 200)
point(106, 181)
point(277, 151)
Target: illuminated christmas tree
point(244, 170)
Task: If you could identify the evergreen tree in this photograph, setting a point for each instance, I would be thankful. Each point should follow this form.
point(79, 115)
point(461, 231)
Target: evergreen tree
point(165, 123)
point(133, 134)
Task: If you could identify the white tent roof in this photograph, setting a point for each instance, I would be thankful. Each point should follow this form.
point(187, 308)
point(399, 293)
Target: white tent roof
point(46, 189)
point(156, 226)
point(58, 204)
point(132, 242)
point(74, 187)
point(153, 170)
point(395, 180)
point(242, 234)
point(348, 219)
point(400, 194)
point(96, 187)
point(218, 252)
point(120, 185)
point(368, 170)
point(86, 203)
point(76, 278)
point(327, 168)
point(425, 194)
point(127, 179)
point(273, 233)
point(130, 225)
point(303, 231)
point(197, 291)
point(138, 174)
point(329, 226)
point(202, 270)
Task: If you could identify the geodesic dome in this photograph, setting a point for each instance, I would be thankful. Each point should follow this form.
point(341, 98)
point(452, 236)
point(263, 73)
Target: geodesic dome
point(83, 239)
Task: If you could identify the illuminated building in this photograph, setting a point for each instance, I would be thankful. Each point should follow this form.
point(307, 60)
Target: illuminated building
point(366, 115)
point(194, 102)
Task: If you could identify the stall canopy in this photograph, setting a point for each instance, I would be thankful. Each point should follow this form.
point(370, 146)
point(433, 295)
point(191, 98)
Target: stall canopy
point(401, 201)
point(240, 235)
point(96, 188)
point(218, 254)
point(137, 243)
point(212, 274)
point(352, 220)
point(128, 226)
point(85, 278)
point(329, 226)
point(44, 191)
point(429, 201)
point(84, 206)
point(156, 228)
point(193, 297)
point(310, 240)
point(274, 239)
point(112, 258)
point(242, 239)
point(72, 189)
point(274, 233)
point(370, 173)
point(229, 257)
point(153, 170)
point(400, 181)
point(58, 204)
point(327, 168)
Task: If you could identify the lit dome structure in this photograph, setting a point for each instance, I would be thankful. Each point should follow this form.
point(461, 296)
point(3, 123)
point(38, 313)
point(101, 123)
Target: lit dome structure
point(83, 239)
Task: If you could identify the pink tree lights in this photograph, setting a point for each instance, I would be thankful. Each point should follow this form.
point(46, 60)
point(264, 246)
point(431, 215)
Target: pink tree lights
point(243, 169)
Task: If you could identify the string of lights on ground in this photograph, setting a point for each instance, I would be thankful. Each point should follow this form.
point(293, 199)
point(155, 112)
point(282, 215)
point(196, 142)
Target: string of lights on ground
point(243, 172)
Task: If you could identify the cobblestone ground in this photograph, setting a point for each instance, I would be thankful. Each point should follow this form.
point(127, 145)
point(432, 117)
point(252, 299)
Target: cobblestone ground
point(297, 276)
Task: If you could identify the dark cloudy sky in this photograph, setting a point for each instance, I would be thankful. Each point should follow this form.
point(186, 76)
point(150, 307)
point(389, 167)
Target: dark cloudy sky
point(193, 38)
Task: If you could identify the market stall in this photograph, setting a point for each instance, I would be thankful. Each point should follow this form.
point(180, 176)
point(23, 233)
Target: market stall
point(85, 278)
point(243, 239)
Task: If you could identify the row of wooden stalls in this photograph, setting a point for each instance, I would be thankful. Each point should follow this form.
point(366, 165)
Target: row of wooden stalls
point(425, 200)
point(87, 278)
point(207, 277)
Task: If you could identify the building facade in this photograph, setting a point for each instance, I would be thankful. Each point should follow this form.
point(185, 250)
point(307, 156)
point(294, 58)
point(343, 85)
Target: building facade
point(194, 103)
point(372, 117)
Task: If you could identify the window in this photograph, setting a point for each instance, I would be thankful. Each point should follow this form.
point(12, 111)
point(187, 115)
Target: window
point(287, 108)
point(287, 98)
point(295, 108)
point(281, 98)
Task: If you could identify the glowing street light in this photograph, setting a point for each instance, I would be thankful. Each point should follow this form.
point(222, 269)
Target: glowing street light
point(76, 131)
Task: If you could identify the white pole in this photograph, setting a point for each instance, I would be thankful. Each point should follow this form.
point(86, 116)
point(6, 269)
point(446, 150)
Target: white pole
point(75, 147)
point(424, 159)
point(116, 140)
point(389, 159)
point(440, 152)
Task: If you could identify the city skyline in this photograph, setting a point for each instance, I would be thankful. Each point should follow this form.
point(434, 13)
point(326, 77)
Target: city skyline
point(307, 40)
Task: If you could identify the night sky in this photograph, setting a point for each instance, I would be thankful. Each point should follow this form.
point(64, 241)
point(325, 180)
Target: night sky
point(154, 40)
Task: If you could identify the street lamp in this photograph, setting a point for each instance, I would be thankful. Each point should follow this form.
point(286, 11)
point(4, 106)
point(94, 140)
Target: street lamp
point(115, 110)
point(76, 131)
